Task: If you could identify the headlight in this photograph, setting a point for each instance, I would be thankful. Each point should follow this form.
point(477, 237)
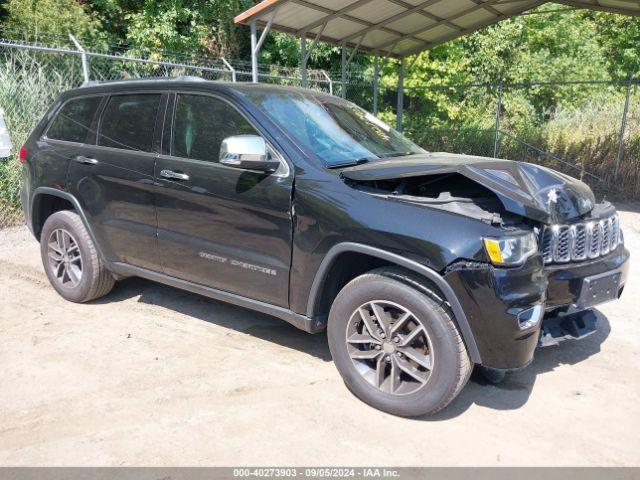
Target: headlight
point(511, 250)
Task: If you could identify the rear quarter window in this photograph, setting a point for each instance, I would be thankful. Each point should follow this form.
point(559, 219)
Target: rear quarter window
point(73, 122)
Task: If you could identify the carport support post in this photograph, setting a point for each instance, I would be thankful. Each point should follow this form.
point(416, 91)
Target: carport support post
point(376, 73)
point(256, 43)
point(343, 72)
point(400, 105)
point(254, 52)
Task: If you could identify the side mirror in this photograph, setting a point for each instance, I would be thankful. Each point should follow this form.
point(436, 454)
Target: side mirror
point(248, 152)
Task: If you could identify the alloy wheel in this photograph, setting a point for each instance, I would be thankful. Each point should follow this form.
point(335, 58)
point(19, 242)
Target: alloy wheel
point(65, 260)
point(390, 347)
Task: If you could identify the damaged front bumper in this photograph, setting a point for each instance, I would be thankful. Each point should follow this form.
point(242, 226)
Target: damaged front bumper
point(574, 326)
point(501, 303)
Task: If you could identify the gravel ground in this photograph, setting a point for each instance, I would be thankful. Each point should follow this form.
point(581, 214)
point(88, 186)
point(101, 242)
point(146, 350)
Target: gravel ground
point(151, 375)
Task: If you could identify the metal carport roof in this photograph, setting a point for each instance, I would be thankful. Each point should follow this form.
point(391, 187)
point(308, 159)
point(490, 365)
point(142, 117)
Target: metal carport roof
point(399, 28)
point(392, 28)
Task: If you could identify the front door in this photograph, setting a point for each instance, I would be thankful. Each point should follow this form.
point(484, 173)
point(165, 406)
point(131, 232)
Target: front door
point(113, 179)
point(219, 226)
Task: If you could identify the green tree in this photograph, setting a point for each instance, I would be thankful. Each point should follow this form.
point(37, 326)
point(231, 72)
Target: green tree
point(544, 46)
point(283, 49)
point(619, 37)
point(42, 18)
point(182, 27)
point(3, 11)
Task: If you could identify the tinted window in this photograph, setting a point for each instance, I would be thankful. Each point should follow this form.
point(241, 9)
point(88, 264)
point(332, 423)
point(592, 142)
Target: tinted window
point(128, 122)
point(201, 123)
point(73, 121)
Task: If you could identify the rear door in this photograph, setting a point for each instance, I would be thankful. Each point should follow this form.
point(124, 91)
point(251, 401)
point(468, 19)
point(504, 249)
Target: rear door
point(113, 178)
point(220, 226)
point(68, 135)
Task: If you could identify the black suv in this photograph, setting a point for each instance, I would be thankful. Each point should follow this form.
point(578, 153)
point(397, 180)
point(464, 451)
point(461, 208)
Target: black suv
point(304, 206)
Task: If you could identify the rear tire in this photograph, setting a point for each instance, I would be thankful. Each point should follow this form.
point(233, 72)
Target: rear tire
point(71, 260)
point(396, 343)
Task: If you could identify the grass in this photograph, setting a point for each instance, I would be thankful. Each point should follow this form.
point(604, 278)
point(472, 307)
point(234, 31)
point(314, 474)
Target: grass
point(586, 137)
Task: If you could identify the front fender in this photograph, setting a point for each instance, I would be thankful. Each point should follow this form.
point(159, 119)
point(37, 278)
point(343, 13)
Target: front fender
point(430, 274)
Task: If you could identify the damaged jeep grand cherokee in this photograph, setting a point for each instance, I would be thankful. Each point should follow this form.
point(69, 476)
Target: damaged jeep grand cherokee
point(304, 206)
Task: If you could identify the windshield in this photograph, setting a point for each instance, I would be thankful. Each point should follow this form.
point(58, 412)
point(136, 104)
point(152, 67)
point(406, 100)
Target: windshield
point(336, 131)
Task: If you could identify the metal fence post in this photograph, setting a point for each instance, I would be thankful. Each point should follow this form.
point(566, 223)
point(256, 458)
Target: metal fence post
point(329, 81)
point(303, 60)
point(498, 113)
point(376, 74)
point(231, 69)
point(400, 105)
point(343, 71)
point(623, 127)
point(83, 57)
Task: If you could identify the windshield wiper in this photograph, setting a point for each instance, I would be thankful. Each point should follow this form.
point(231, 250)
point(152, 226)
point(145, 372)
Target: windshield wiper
point(398, 154)
point(359, 161)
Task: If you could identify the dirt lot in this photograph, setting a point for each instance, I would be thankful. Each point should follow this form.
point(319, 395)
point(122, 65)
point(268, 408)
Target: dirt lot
point(151, 375)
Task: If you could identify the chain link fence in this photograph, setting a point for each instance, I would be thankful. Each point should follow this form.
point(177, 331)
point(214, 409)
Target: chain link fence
point(586, 129)
point(29, 83)
point(32, 76)
point(589, 130)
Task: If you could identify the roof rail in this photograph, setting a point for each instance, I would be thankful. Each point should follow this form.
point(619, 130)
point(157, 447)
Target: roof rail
point(180, 78)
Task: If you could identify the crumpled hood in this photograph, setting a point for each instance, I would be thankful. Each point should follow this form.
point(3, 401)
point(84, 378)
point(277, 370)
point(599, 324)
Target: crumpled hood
point(524, 189)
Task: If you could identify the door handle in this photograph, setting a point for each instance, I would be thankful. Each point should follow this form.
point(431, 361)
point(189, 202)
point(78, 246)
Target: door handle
point(174, 175)
point(85, 160)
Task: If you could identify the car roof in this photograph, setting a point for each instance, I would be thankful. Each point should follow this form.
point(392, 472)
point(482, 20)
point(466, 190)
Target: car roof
point(186, 83)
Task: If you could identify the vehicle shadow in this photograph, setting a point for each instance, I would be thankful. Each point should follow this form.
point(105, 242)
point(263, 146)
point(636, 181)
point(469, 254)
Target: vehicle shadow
point(513, 393)
point(517, 387)
point(226, 315)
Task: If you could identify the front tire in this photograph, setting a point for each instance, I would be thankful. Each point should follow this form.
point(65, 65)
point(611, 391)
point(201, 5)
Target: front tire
point(396, 344)
point(71, 260)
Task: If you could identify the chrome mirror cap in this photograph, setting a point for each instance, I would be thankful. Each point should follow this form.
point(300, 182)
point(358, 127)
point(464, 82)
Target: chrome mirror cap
point(248, 152)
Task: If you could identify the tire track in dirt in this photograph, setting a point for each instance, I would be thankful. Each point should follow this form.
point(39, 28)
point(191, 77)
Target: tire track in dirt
point(11, 271)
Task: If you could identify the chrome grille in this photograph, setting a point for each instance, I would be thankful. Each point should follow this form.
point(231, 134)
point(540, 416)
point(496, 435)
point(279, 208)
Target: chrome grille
point(579, 241)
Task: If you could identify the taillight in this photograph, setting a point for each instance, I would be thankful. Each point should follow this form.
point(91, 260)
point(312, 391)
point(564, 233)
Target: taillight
point(23, 155)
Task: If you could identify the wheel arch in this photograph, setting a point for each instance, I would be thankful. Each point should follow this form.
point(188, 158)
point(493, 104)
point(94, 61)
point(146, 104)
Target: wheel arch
point(385, 258)
point(35, 206)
